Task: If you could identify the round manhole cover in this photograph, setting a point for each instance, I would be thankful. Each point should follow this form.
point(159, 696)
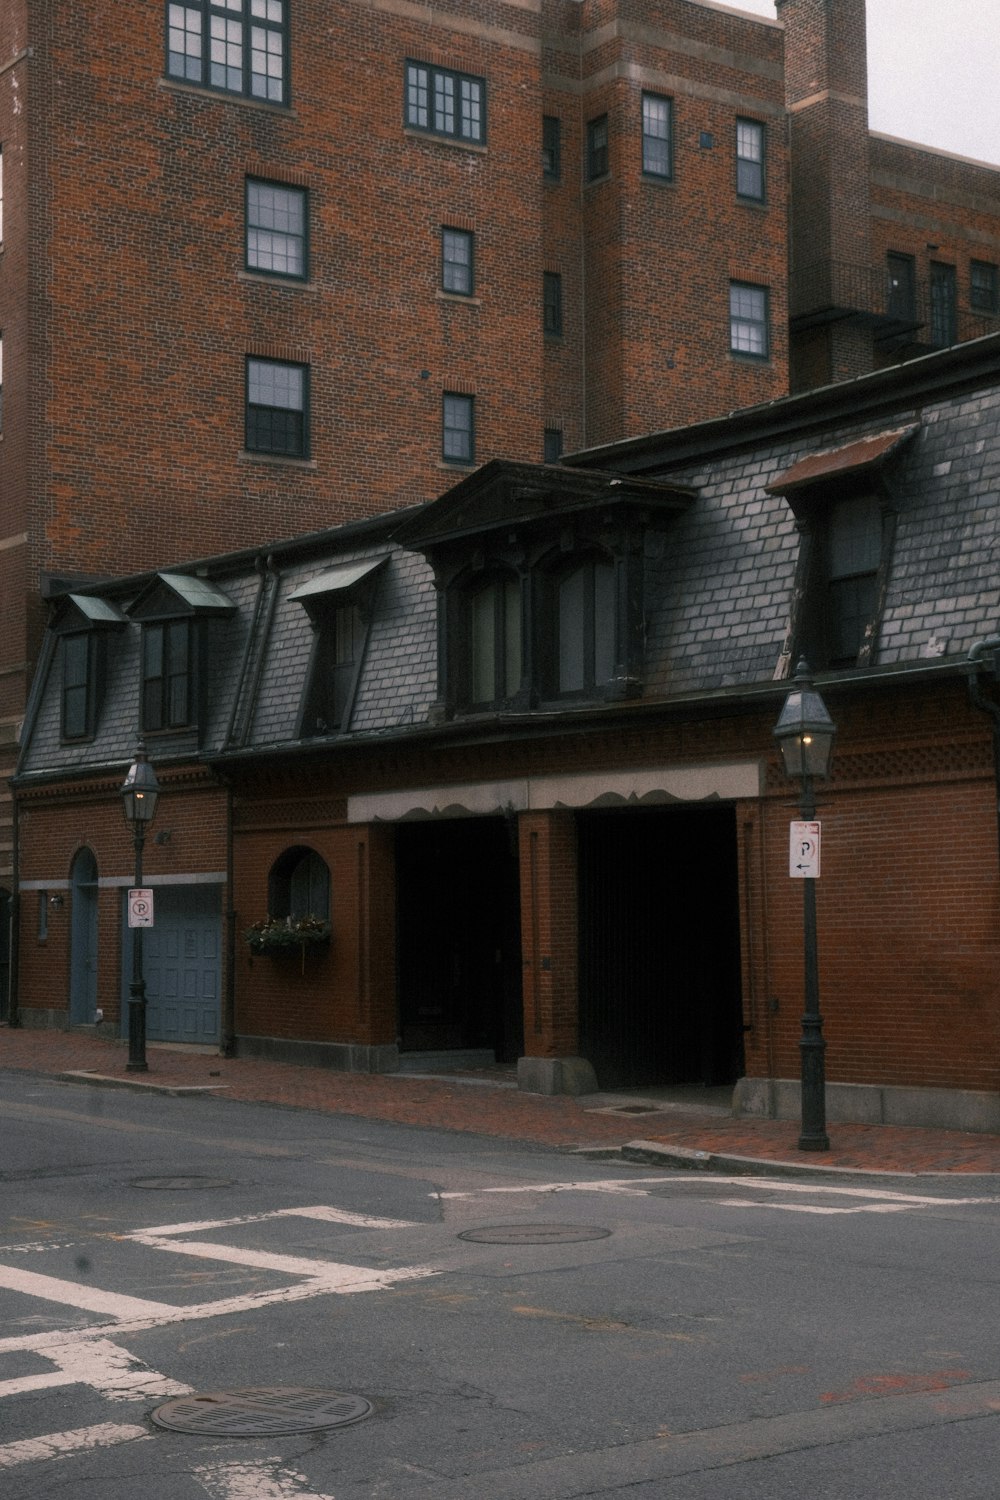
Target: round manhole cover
point(179, 1184)
point(262, 1411)
point(535, 1234)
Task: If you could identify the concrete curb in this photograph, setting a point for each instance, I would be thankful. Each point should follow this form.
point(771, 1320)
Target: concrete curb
point(654, 1153)
point(138, 1085)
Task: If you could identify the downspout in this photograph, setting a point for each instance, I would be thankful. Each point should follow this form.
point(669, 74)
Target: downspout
point(979, 700)
point(259, 568)
point(13, 1010)
point(229, 1004)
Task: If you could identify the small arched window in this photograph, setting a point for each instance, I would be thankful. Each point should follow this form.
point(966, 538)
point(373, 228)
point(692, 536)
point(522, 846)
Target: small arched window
point(494, 634)
point(299, 885)
point(583, 598)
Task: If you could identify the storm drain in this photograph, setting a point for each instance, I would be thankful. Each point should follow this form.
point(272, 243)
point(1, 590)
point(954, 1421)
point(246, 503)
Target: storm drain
point(179, 1184)
point(262, 1411)
point(535, 1234)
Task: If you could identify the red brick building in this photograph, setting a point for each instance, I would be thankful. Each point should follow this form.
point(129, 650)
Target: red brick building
point(496, 775)
point(263, 274)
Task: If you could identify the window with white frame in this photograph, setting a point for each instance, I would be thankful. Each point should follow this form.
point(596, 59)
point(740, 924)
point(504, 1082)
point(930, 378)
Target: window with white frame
point(657, 136)
point(750, 160)
point(457, 265)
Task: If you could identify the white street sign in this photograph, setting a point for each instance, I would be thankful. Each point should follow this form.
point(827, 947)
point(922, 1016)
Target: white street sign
point(803, 850)
point(140, 908)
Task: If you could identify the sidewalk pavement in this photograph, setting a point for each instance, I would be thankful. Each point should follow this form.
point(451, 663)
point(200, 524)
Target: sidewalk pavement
point(628, 1125)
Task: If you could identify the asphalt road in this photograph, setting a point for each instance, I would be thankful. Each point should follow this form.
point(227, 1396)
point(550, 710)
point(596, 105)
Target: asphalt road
point(502, 1323)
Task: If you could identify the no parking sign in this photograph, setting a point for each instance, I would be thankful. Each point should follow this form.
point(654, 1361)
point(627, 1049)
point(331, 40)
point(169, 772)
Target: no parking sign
point(140, 908)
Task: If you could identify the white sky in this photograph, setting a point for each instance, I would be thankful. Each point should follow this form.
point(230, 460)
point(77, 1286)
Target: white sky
point(933, 73)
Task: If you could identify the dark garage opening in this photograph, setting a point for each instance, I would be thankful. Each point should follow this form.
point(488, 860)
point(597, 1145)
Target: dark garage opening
point(659, 946)
point(459, 936)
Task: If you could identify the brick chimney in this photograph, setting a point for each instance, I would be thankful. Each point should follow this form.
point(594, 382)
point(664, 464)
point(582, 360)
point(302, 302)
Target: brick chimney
point(830, 253)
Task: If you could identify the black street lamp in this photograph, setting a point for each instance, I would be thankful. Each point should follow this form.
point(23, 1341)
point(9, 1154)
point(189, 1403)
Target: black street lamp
point(805, 733)
point(139, 792)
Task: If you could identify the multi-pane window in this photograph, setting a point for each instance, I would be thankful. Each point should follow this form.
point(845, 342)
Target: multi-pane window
point(166, 675)
point(298, 885)
point(585, 626)
point(457, 267)
point(854, 547)
point(339, 646)
point(276, 408)
point(944, 312)
point(551, 147)
point(657, 136)
point(552, 445)
point(552, 308)
point(748, 323)
point(78, 685)
point(445, 103)
point(458, 438)
point(495, 640)
point(239, 46)
point(276, 229)
point(984, 286)
point(597, 148)
point(750, 159)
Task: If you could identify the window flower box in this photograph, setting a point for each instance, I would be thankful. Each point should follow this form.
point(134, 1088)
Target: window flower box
point(277, 935)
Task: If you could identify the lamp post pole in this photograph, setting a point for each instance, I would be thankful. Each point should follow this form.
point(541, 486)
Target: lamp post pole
point(812, 1046)
point(805, 733)
point(137, 989)
point(139, 793)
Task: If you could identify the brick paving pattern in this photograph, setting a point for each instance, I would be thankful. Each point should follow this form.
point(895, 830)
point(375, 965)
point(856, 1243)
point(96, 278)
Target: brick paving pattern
point(484, 1106)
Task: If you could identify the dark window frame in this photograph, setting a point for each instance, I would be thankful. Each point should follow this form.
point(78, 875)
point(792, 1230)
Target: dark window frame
point(296, 867)
point(593, 686)
point(653, 144)
point(552, 304)
point(551, 148)
point(507, 655)
point(743, 319)
point(170, 681)
point(984, 286)
point(452, 266)
point(341, 634)
point(293, 190)
point(598, 157)
point(552, 445)
point(453, 402)
point(901, 285)
point(944, 304)
point(751, 170)
point(80, 697)
point(424, 102)
point(256, 426)
point(199, 68)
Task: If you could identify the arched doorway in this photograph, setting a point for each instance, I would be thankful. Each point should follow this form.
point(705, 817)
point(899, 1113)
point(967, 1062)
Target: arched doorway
point(83, 941)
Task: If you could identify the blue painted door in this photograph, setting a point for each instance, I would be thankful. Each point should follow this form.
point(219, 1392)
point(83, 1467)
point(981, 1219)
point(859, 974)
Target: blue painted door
point(181, 960)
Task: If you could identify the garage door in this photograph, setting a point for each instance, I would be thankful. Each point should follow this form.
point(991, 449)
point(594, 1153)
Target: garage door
point(181, 964)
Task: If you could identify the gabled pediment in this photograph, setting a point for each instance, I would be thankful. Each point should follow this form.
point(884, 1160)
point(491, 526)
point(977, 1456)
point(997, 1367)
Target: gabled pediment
point(537, 496)
point(173, 596)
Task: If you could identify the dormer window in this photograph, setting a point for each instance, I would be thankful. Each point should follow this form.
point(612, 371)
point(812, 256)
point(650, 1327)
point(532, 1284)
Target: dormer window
point(173, 610)
point(845, 513)
point(540, 575)
point(338, 602)
point(83, 624)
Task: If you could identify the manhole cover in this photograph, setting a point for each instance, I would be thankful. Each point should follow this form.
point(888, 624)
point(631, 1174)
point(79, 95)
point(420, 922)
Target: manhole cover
point(534, 1234)
point(179, 1184)
point(262, 1411)
point(634, 1109)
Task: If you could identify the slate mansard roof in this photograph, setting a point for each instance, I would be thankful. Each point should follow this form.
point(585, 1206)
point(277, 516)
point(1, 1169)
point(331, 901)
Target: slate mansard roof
point(718, 570)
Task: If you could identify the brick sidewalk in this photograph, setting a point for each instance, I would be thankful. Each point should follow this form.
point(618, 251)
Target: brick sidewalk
point(485, 1107)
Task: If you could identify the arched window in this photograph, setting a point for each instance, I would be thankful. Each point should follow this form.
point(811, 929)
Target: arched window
point(494, 635)
point(583, 600)
point(299, 885)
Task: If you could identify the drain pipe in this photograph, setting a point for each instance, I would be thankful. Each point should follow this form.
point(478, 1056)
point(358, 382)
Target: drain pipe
point(979, 700)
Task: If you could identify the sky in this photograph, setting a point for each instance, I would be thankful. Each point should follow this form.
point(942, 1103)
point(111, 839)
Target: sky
point(932, 72)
